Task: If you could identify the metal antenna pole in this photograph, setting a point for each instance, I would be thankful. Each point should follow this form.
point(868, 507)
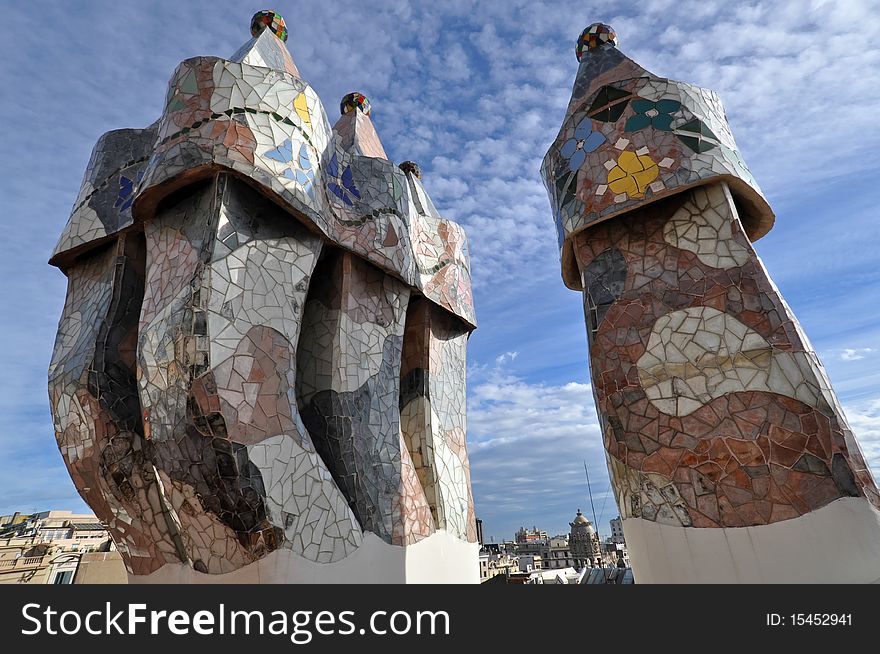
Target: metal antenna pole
point(590, 491)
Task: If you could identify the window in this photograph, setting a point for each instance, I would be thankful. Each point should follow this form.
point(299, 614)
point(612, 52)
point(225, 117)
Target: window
point(65, 577)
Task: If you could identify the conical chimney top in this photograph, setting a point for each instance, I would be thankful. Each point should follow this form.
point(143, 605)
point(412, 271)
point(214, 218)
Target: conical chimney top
point(266, 47)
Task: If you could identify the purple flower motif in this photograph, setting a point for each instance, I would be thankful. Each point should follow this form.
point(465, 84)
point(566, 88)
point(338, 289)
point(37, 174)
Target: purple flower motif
point(585, 140)
point(126, 191)
point(347, 189)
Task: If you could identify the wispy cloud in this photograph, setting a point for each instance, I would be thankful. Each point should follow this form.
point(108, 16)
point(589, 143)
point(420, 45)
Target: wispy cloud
point(854, 354)
point(528, 442)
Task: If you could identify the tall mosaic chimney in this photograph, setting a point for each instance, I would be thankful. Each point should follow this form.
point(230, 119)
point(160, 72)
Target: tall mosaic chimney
point(729, 455)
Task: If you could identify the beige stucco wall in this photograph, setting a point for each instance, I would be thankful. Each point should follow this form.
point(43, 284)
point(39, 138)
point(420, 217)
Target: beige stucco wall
point(101, 568)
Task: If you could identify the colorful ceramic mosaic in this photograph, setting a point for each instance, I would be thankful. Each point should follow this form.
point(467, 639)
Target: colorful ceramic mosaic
point(275, 23)
point(715, 410)
point(595, 36)
point(354, 101)
point(630, 137)
point(243, 368)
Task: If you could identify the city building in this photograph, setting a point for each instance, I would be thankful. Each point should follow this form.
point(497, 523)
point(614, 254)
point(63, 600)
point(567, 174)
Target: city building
point(530, 562)
point(535, 545)
point(494, 563)
point(532, 535)
point(584, 576)
point(76, 532)
point(51, 546)
point(614, 554)
point(556, 553)
point(559, 576)
point(617, 530)
point(12, 520)
point(583, 542)
point(577, 558)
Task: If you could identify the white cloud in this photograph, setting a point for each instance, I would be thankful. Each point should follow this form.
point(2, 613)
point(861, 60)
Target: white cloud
point(528, 443)
point(507, 357)
point(854, 354)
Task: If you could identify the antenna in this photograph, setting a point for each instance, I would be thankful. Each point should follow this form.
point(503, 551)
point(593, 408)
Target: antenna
point(590, 491)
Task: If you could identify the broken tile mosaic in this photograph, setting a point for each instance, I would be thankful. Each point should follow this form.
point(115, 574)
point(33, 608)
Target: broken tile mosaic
point(595, 36)
point(269, 19)
point(354, 101)
point(263, 342)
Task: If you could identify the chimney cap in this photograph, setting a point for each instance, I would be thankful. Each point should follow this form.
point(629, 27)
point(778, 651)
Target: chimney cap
point(272, 20)
point(595, 36)
point(412, 168)
point(354, 101)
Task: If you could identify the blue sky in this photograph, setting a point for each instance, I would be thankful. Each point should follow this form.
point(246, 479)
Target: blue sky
point(475, 92)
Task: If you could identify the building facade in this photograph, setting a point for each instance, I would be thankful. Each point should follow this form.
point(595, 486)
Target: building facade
point(49, 547)
point(496, 563)
point(617, 530)
point(556, 553)
point(583, 542)
point(533, 535)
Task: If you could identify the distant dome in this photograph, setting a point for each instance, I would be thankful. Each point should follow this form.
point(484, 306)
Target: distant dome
point(581, 527)
point(266, 18)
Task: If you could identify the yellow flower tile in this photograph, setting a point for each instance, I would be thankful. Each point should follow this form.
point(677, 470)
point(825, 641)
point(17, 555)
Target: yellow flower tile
point(632, 174)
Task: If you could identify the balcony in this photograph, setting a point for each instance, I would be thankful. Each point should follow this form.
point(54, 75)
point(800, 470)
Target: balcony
point(23, 563)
